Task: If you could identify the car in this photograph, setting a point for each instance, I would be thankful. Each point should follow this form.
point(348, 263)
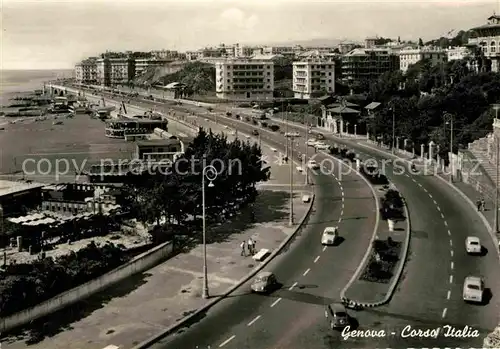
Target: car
point(57, 123)
point(329, 236)
point(264, 282)
point(292, 134)
point(255, 132)
point(311, 142)
point(299, 169)
point(321, 146)
point(337, 315)
point(319, 136)
point(473, 289)
point(312, 164)
point(473, 245)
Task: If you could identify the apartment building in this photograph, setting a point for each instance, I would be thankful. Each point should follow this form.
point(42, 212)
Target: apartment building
point(276, 50)
point(487, 39)
point(115, 71)
point(166, 55)
point(457, 53)
point(141, 64)
point(313, 78)
point(346, 47)
point(368, 64)
point(86, 71)
point(242, 51)
point(410, 56)
point(240, 79)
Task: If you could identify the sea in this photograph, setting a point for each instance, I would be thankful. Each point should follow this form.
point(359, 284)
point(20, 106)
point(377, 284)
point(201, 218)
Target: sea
point(14, 82)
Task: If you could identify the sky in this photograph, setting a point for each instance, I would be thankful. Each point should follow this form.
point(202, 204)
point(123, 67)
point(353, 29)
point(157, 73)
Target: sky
point(56, 34)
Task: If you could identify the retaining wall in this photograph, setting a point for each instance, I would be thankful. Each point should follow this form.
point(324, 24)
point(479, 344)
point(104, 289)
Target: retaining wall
point(138, 264)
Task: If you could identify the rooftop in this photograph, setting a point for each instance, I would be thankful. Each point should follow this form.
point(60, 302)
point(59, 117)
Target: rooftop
point(367, 51)
point(11, 187)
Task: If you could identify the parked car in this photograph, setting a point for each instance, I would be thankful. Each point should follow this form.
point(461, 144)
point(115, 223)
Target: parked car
point(312, 164)
point(311, 142)
point(321, 146)
point(473, 289)
point(264, 282)
point(292, 134)
point(473, 245)
point(329, 236)
point(337, 316)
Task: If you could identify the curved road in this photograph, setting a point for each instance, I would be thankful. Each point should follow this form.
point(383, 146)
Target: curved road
point(428, 297)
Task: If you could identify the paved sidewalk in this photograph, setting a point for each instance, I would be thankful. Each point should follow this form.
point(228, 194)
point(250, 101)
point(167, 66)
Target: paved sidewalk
point(140, 307)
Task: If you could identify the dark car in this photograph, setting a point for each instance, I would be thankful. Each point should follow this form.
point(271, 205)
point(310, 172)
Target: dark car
point(255, 132)
point(337, 316)
point(264, 282)
point(319, 136)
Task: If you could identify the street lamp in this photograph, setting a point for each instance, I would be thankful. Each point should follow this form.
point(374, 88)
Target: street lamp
point(291, 137)
point(393, 127)
point(449, 120)
point(3, 237)
point(210, 172)
point(496, 107)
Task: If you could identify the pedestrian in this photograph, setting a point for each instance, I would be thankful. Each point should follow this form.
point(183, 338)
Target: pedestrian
point(483, 204)
point(250, 246)
point(478, 204)
point(243, 252)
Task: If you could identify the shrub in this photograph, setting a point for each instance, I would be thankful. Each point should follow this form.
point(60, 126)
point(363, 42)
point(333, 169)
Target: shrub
point(334, 150)
point(264, 124)
point(274, 128)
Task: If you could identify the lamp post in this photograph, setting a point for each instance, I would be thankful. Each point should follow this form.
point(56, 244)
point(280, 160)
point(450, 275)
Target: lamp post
point(449, 121)
point(289, 137)
point(286, 133)
point(496, 107)
point(210, 172)
point(393, 128)
point(3, 237)
point(306, 151)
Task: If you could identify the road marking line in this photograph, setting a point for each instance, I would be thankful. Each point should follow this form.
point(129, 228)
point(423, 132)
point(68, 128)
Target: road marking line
point(342, 199)
point(307, 271)
point(444, 312)
point(430, 195)
point(451, 252)
point(425, 190)
point(452, 265)
point(340, 219)
point(316, 259)
point(291, 287)
point(420, 184)
point(439, 208)
point(446, 223)
point(324, 248)
point(276, 302)
point(449, 232)
point(257, 318)
point(451, 279)
point(342, 212)
point(435, 203)
point(227, 341)
point(442, 215)
point(448, 294)
point(451, 243)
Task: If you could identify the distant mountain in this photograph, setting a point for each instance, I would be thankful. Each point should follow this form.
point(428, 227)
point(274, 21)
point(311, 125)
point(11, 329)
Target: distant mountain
point(319, 42)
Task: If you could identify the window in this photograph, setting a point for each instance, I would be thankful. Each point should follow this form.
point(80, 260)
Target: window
point(268, 80)
point(268, 73)
point(228, 80)
point(330, 81)
point(330, 74)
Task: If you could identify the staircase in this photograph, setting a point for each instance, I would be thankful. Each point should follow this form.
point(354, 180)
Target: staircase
point(479, 148)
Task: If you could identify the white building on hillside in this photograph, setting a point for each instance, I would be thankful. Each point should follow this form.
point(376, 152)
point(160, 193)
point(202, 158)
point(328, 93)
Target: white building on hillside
point(313, 77)
point(410, 56)
point(456, 53)
point(487, 39)
point(238, 79)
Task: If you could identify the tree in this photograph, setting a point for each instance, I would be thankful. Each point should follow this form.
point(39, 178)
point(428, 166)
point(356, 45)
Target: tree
point(420, 42)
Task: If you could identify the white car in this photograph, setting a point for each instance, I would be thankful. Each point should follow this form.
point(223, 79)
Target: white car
point(473, 245)
point(312, 164)
point(321, 146)
point(311, 142)
point(329, 236)
point(473, 289)
point(292, 134)
point(299, 169)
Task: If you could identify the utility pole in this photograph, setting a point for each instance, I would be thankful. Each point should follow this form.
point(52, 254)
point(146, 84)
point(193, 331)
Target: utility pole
point(286, 132)
point(393, 128)
point(290, 222)
point(4, 240)
point(496, 185)
point(451, 148)
point(305, 152)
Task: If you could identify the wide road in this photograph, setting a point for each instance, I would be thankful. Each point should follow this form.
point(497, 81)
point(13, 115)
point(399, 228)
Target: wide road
point(312, 275)
point(429, 295)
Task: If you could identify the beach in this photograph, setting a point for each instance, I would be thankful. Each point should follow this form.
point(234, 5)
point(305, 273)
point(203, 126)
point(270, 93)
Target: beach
point(39, 145)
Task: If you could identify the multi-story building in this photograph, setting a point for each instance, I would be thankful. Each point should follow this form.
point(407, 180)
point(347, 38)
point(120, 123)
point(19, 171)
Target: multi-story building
point(346, 47)
point(487, 38)
point(114, 71)
point(141, 64)
point(239, 79)
point(371, 42)
point(410, 56)
point(86, 71)
point(276, 50)
point(242, 51)
point(166, 55)
point(368, 64)
point(457, 53)
point(313, 78)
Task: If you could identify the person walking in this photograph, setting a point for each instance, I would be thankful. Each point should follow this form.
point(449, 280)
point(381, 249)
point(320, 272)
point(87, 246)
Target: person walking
point(478, 204)
point(243, 251)
point(250, 246)
point(483, 204)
